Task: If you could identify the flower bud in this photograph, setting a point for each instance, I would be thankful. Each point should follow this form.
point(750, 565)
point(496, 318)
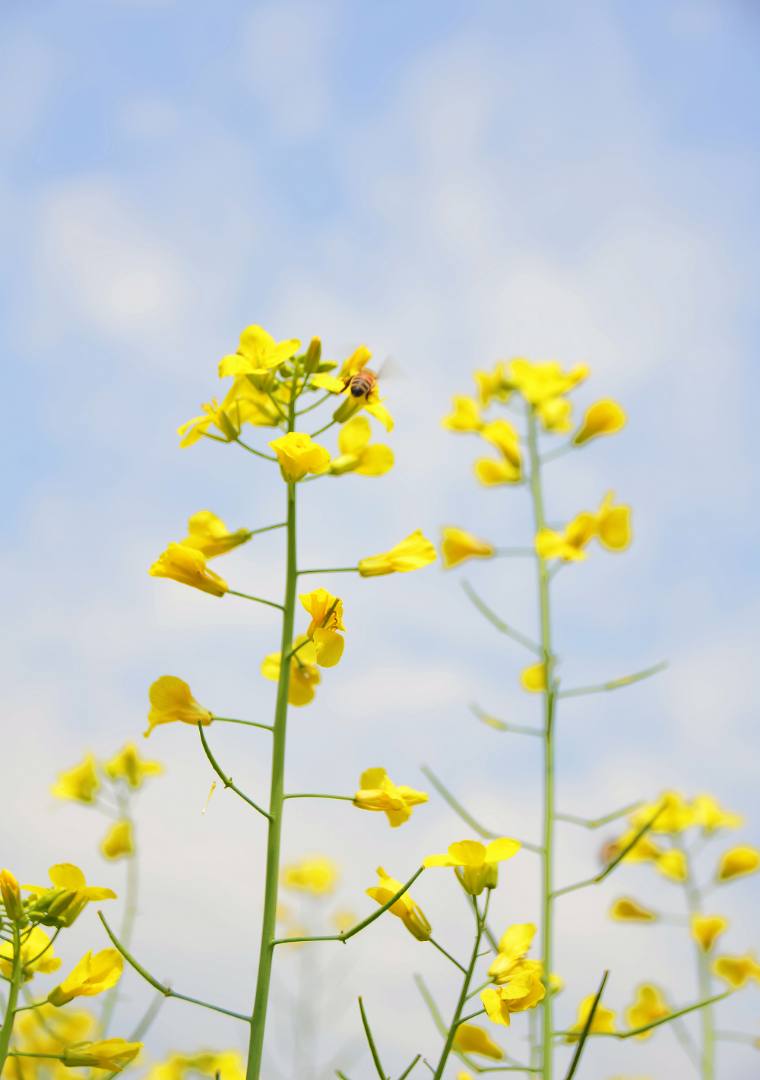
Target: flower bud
point(14, 906)
point(313, 355)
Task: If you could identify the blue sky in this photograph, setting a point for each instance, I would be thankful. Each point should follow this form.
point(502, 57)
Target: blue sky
point(452, 184)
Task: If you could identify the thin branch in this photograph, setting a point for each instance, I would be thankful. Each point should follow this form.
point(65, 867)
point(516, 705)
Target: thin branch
point(586, 1028)
point(323, 428)
point(409, 1068)
point(315, 404)
point(502, 725)
point(256, 599)
point(372, 1047)
point(319, 795)
point(331, 570)
point(227, 780)
point(251, 450)
point(614, 684)
point(448, 955)
point(654, 1023)
point(268, 528)
point(597, 823)
point(245, 723)
point(500, 625)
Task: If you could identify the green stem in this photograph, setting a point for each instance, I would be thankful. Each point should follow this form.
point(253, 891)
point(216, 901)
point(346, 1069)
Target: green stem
point(310, 795)
point(268, 528)
point(13, 989)
point(550, 694)
point(323, 428)
point(246, 723)
point(251, 450)
point(707, 1017)
point(227, 780)
point(615, 684)
point(331, 570)
point(448, 955)
point(256, 599)
point(456, 1019)
point(371, 1042)
point(128, 921)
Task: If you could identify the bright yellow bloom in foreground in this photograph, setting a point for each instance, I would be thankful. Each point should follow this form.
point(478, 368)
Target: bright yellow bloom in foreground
point(378, 792)
point(326, 623)
point(602, 418)
point(92, 975)
point(459, 545)
point(357, 454)
point(513, 947)
point(258, 353)
point(412, 553)
point(471, 1039)
point(298, 455)
point(62, 902)
point(127, 765)
point(11, 895)
point(80, 783)
point(171, 700)
point(411, 915)
point(628, 910)
point(118, 841)
point(35, 955)
point(208, 534)
point(706, 929)
point(737, 970)
point(523, 990)
point(304, 676)
point(110, 1054)
point(649, 1005)
point(317, 875)
point(533, 678)
point(603, 1022)
point(738, 862)
point(476, 864)
point(465, 415)
point(710, 815)
point(188, 566)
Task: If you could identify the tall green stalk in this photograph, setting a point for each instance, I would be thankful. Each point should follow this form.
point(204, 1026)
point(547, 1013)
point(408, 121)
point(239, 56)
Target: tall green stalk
point(694, 901)
point(456, 1020)
point(547, 883)
point(276, 801)
point(10, 1010)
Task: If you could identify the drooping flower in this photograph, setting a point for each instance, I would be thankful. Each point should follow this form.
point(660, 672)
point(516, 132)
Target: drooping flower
point(357, 454)
point(316, 874)
point(602, 418)
point(298, 455)
point(476, 864)
point(127, 765)
point(626, 909)
point(737, 970)
point(492, 473)
point(325, 627)
point(37, 955)
point(110, 1054)
point(471, 1039)
point(533, 678)
point(569, 545)
point(81, 783)
point(412, 553)
point(188, 566)
point(378, 792)
point(61, 903)
point(710, 815)
point(118, 842)
point(465, 415)
point(171, 700)
point(648, 1005)
point(513, 947)
point(522, 990)
point(92, 975)
point(706, 929)
point(208, 534)
point(738, 862)
point(258, 353)
point(304, 675)
point(459, 545)
point(603, 1022)
point(411, 915)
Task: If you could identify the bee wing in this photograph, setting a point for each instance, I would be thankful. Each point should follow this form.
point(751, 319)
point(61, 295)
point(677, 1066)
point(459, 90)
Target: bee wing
point(391, 369)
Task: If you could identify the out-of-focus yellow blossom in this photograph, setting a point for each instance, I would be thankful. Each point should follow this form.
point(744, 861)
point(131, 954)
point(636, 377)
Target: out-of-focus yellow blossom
point(513, 947)
point(459, 545)
point(378, 792)
point(11, 894)
point(464, 1076)
point(491, 473)
point(476, 864)
point(738, 862)
point(171, 700)
point(533, 678)
point(602, 1024)
point(118, 841)
point(304, 676)
point(188, 567)
point(570, 544)
point(46, 1030)
point(411, 915)
point(317, 875)
point(92, 975)
point(555, 414)
point(706, 929)
point(502, 435)
point(737, 970)
point(357, 454)
point(627, 909)
point(326, 625)
point(343, 920)
point(675, 814)
point(80, 783)
point(127, 765)
point(644, 850)
point(493, 384)
point(298, 455)
point(465, 415)
point(648, 1005)
point(257, 354)
point(602, 418)
point(543, 381)
point(412, 553)
point(62, 902)
point(710, 815)
point(110, 1054)
point(35, 955)
point(673, 865)
point(613, 524)
point(208, 534)
point(227, 1065)
point(523, 990)
point(471, 1039)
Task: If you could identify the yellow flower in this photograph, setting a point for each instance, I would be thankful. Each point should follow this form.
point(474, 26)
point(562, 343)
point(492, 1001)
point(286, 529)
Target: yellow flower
point(555, 414)
point(644, 850)
point(459, 545)
point(628, 910)
point(464, 1076)
point(710, 815)
point(127, 765)
point(522, 990)
point(244, 403)
point(298, 455)
point(92, 975)
point(649, 1005)
point(737, 970)
point(603, 1022)
point(738, 862)
point(513, 947)
point(476, 864)
point(257, 354)
point(378, 792)
point(411, 915)
point(304, 676)
point(569, 545)
point(602, 418)
point(493, 384)
point(502, 435)
point(326, 623)
point(355, 399)
point(172, 700)
point(465, 415)
point(9, 890)
point(118, 841)
point(188, 566)
point(356, 453)
point(541, 382)
point(471, 1039)
point(80, 783)
point(317, 875)
point(412, 553)
point(343, 920)
point(491, 473)
point(227, 1065)
point(208, 534)
point(673, 865)
point(675, 816)
point(45, 1030)
point(35, 955)
point(110, 1054)
point(197, 427)
point(613, 525)
point(60, 904)
point(533, 678)
point(706, 929)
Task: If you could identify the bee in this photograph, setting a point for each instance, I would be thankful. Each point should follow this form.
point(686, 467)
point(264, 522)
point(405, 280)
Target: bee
point(361, 384)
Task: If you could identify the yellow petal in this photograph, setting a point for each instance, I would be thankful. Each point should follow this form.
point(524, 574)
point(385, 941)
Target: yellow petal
point(737, 862)
point(706, 929)
point(628, 910)
point(533, 678)
point(459, 545)
point(602, 418)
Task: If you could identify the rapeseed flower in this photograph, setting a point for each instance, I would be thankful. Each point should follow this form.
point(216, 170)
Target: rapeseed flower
point(118, 841)
point(257, 353)
point(61, 903)
point(11, 896)
point(602, 1024)
point(471, 1039)
point(92, 975)
point(626, 909)
point(171, 700)
point(325, 627)
point(304, 675)
point(706, 929)
point(411, 915)
point(533, 678)
point(127, 765)
point(649, 1005)
point(378, 792)
point(298, 455)
point(521, 991)
point(110, 1054)
point(188, 566)
point(208, 534)
point(412, 553)
point(357, 454)
point(316, 874)
point(459, 545)
point(465, 415)
point(738, 862)
point(37, 955)
point(476, 865)
point(710, 815)
point(80, 783)
point(513, 947)
point(602, 418)
point(737, 970)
